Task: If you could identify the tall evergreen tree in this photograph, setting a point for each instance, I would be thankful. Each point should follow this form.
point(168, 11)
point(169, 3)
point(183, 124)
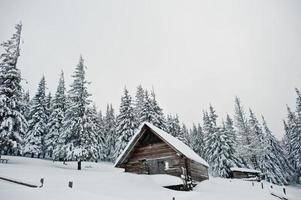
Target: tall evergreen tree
point(158, 118)
point(296, 136)
point(184, 134)
point(78, 129)
point(111, 137)
point(243, 133)
point(125, 123)
point(35, 137)
point(256, 140)
point(173, 126)
point(139, 104)
point(55, 122)
point(197, 140)
point(274, 164)
point(13, 125)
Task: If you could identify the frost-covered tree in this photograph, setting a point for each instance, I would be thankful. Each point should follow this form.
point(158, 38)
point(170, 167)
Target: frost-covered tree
point(184, 134)
point(291, 136)
point(125, 123)
point(274, 165)
point(211, 131)
point(26, 103)
point(110, 135)
point(256, 140)
point(296, 136)
point(35, 137)
point(158, 118)
point(151, 111)
point(147, 112)
point(173, 126)
point(219, 152)
point(197, 139)
point(139, 103)
point(80, 139)
point(13, 124)
point(101, 135)
point(243, 133)
point(56, 116)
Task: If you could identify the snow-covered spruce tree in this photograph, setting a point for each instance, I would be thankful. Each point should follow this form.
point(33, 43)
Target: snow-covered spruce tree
point(35, 137)
point(55, 121)
point(296, 136)
point(158, 118)
point(243, 134)
point(184, 134)
point(274, 165)
point(220, 152)
point(173, 126)
point(110, 134)
point(13, 124)
point(256, 140)
point(125, 123)
point(197, 139)
point(234, 155)
point(147, 112)
point(80, 139)
point(101, 135)
point(292, 131)
point(212, 133)
point(138, 105)
point(26, 103)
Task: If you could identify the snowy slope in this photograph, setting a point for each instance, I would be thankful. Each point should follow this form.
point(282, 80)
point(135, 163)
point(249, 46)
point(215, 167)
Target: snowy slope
point(103, 181)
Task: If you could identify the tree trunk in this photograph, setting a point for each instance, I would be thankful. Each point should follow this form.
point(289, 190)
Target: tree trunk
point(79, 164)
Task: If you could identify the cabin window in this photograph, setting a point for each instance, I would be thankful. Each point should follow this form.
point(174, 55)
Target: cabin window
point(166, 165)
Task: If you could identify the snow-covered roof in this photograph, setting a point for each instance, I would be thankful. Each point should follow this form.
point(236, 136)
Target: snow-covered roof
point(176, 144)
point(238, 169)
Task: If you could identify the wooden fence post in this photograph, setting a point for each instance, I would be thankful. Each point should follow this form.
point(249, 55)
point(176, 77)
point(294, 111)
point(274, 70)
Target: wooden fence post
point(42, 182)
point(70, 184)
point(261, 185)
point(284, 190)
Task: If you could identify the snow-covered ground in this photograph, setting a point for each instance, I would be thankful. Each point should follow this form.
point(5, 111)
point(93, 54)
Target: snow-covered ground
point(103, 181)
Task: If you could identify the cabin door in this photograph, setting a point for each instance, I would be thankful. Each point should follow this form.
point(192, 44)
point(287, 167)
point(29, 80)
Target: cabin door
point(156, 166)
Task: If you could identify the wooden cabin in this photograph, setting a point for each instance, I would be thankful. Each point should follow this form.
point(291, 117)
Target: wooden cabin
point(237, 172)
point(153, 151)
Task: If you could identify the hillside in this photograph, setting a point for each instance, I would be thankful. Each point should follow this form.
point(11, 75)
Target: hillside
point(103, 181)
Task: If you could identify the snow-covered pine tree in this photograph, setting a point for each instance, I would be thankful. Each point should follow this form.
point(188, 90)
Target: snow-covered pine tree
point(101, 136)
point(243, 133)
point(197, 139)
point(13, 125)
point(220, 152)
point(292, 130)
point(55, 121)
point(296, 136)
point(110, 134)
point(256, 140)
point(146, 114)
point(125, 123)
point(80, 139)
point(229, 128)
point(212, 134)
point(184, 135)
point(138, 105)
point(35, 137)
point(158, 118)
point(173, 126)
point(26, 103)
point(274, 165)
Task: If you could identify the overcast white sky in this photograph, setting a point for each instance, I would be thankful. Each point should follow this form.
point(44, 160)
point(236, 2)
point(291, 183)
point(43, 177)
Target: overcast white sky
point(192, 52)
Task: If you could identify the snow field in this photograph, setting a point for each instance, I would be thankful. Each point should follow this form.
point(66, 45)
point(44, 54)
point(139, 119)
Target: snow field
point(103, 181)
